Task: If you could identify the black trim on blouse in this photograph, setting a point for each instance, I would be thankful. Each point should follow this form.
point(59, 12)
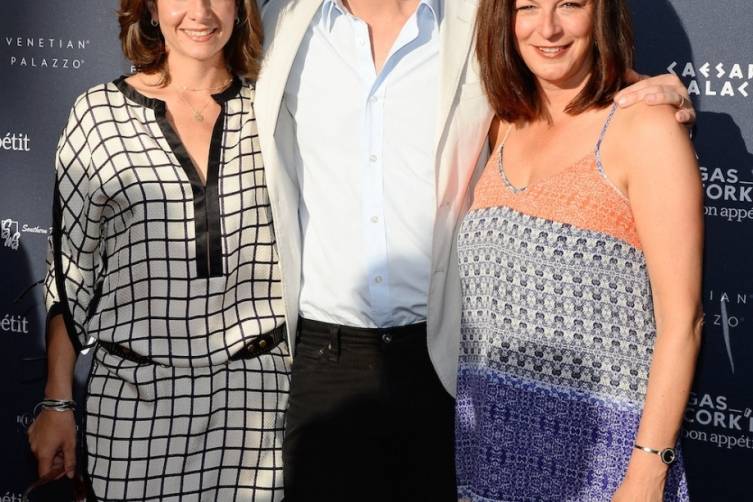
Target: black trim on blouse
point(206, 198)
point(62, 307)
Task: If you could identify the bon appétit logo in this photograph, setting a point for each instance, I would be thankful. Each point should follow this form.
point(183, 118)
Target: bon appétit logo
point(714, 419)
point(728, 193)
point(15, 142)
point(11, 496)
point(14, 324)
point(719, 79)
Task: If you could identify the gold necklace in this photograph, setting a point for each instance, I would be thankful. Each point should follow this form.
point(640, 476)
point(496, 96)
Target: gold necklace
point(216, 88)
point(198, 113)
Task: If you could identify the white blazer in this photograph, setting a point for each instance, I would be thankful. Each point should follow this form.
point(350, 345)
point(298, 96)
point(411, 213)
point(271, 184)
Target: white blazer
point(463, 122)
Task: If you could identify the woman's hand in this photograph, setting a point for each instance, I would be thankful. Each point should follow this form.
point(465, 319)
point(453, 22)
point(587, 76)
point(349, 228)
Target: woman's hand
point(664, 89)
point(52, 438)
point(634, 491)
point(644, 480)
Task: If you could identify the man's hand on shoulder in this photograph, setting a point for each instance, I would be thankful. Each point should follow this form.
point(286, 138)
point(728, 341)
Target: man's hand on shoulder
point(664, 89)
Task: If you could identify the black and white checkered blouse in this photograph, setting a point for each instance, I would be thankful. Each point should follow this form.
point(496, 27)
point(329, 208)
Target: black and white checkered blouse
point(144, 256)
point(149, 257)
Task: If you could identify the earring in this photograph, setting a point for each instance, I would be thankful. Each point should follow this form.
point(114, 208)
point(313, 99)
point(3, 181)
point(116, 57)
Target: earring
point(237, 20)
point(154, 22)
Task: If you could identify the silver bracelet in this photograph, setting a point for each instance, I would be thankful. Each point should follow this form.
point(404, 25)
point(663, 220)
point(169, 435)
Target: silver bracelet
point(55, 405)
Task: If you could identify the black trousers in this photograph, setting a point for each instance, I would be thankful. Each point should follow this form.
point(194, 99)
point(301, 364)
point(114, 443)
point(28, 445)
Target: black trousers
point(368, 419)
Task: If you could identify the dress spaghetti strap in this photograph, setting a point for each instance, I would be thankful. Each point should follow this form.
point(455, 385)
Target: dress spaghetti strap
point(501, 168)
point(507, 135)
point(597, 152)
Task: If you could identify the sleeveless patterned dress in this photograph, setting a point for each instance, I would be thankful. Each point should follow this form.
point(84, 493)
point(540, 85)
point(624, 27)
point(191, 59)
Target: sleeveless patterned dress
point(557, 338)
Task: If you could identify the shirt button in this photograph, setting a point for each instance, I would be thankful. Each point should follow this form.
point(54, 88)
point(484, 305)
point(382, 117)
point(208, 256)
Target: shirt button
point(378, 279)
point(386, 338)
point(375, 219)
point(373, 99)
point(372, 158)
point(361, 42)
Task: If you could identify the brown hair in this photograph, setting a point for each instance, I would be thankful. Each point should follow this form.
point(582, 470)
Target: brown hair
point(144, 45)
point(510, 85)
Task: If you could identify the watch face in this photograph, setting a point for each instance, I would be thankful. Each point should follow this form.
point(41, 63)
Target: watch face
point(668, 456)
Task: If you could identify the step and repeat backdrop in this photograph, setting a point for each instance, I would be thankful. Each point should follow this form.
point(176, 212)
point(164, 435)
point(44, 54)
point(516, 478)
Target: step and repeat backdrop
point(50, 51)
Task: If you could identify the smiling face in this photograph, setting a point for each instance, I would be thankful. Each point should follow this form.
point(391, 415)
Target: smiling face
point(195, 29)
point(555, 40)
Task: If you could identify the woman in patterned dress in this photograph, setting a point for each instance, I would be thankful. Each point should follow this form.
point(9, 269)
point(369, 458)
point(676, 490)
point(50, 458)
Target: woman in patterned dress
point(580, 265)
point(163, 261)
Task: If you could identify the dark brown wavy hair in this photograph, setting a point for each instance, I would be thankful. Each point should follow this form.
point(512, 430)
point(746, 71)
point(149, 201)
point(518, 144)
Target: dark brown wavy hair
point(510, 85)
point(144, 45)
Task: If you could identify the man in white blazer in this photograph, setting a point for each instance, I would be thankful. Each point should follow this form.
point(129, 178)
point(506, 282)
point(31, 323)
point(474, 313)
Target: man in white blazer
point(373, 122)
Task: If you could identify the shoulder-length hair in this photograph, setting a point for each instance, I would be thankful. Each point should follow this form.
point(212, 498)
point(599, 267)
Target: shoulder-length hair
point(510, 85)
point(144, 45)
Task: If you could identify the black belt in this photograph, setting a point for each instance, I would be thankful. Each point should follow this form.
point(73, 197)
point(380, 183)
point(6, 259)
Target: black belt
point(336, 336)
point(256, 347)
point(261, 344)
point(325, 327)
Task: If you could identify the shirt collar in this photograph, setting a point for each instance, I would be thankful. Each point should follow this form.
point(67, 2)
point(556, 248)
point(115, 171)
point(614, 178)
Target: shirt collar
point(332, 9)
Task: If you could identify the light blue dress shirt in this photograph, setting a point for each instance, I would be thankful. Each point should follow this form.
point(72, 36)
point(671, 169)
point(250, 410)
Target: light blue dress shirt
point(365, 165)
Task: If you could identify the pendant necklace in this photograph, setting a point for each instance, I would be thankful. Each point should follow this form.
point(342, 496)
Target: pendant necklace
point(198, 113)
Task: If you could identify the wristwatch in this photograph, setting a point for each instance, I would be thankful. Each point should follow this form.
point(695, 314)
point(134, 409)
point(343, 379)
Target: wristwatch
point(667, 455)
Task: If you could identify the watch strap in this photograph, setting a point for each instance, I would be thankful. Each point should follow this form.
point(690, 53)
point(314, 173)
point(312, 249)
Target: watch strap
point(647, 449)
point(667, 455)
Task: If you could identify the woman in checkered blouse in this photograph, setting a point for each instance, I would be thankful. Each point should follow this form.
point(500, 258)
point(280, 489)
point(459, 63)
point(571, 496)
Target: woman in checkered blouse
point(163, 261)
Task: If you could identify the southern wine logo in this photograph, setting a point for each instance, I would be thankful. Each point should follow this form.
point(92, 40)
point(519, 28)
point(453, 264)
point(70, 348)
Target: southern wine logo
point(10, 235)
point(11, 231)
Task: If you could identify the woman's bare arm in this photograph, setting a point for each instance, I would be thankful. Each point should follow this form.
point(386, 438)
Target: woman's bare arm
point(52, 436)
point(665, 193)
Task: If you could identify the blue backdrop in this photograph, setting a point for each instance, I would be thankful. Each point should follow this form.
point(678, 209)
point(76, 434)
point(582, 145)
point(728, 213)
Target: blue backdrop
point(50, 51)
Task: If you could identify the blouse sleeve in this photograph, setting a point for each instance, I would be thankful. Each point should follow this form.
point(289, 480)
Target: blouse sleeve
point(74, 261)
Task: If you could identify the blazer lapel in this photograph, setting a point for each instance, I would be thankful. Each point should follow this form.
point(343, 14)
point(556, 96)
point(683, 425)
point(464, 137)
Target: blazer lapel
point(281, 48)
point(456, 42)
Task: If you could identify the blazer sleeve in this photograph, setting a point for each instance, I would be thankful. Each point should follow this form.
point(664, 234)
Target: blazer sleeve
point(74, 261)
